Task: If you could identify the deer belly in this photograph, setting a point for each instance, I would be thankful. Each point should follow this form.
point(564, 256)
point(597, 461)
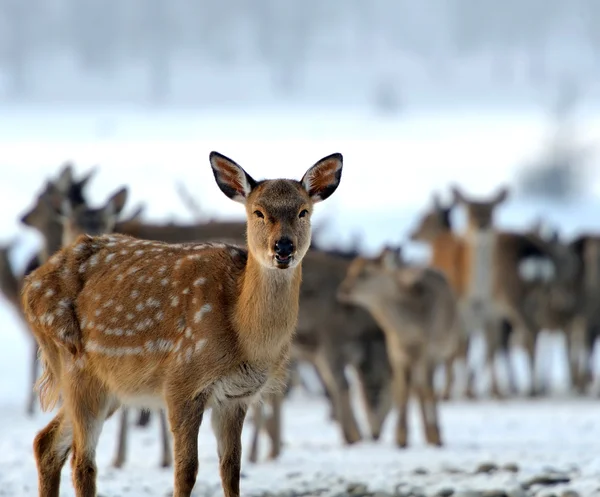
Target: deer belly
point(246, 382)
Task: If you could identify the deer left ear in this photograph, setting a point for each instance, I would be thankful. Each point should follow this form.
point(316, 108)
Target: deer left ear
point(322, 179)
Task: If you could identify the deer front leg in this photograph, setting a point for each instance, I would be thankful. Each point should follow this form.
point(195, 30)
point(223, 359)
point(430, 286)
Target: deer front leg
point(119, 459)
point(167, 458)
point(227, 423)
point(492, 338)
point(258, 423)
point(337, 385)
point(51, 448)
point(185, 418)
point(273, 425)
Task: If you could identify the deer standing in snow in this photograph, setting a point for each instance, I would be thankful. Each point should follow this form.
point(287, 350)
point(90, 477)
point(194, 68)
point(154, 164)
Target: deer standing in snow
point(417, 310)
point(186, 327)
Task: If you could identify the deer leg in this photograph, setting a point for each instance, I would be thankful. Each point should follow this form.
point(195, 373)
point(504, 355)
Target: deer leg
point(258, 422)
point(51, 448)
point(273, 425)
point(227, 423)
point(428, 403)
point(165, 438)
point(492, 347)
point(185, 418)
point(35, 363)
point(333, 415)
point(530, 343)
point(335, 381)
point(119, 459)
point(450, 377)
point(401, 383)
point(376, 395)
point(87, 414)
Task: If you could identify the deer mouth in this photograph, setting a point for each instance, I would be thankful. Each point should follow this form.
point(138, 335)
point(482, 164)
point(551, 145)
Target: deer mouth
point(283, 261)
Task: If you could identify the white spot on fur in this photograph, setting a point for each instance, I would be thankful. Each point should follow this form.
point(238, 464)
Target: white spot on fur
point(203, 310)
point(119, 308)
point(94, 260)
point(79, 247)
point(186, 291)
point(159, 316)
point(49, 292)
point(92, 346)
point(83, 267)
point(97, 312)
point(188, 354)
point(108, 303)
point(139, 252)
point(119, 277)
point(109, 257)
point(174, 301)
point(200, 344)
point(162, 269)
point(135, 294)
point(152, 302)
point(200, 281)
point(188, 332)
point(129, 316)
point(140, 307)
point(164, 281)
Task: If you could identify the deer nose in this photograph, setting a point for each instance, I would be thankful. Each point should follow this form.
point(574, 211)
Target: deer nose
point(284, 247)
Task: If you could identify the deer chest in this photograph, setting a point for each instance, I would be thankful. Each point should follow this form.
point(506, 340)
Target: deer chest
point(245, 382)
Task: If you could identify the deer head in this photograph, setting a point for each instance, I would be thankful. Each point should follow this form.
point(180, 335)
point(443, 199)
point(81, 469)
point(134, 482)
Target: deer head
point(82, 219)
point(278, 211)
point(434, 223)
point(480, 213)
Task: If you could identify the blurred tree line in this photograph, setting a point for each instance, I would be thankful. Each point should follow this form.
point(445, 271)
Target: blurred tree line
point(102, 35)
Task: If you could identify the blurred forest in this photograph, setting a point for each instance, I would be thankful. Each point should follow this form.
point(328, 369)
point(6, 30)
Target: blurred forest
point(379, 52)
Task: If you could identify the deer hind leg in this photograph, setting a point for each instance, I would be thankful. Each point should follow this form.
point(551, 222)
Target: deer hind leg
point(402, 383)
point(185, 418)
point(227, 422)
point(87, 414)
point(51, 448)
point(492, 336)
point(165, 438)
point(423, 380)
point(332, 373)
point(35, 364)
point(449, 364)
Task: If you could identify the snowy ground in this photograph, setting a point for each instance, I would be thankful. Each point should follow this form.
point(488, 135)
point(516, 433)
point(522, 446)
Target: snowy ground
point(390, 169)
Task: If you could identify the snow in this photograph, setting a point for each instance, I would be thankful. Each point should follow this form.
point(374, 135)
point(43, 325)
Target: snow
point(391, 167)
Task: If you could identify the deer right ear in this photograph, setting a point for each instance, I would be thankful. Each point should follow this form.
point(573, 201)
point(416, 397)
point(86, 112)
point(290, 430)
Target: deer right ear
point(231, 178)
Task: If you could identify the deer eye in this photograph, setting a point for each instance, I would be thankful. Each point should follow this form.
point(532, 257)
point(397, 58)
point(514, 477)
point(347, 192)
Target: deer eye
point(303, 213)
point(257, 213)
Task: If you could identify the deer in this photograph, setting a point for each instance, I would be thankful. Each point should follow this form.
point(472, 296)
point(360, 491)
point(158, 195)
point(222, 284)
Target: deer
point(496, 261)
point(209, 326)
point(82, 219)
point(417, 310)
point(448, 254)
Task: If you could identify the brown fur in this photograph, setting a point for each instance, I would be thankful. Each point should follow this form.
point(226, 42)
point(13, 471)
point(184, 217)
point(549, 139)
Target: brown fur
point(211, 326)
point(417, 310)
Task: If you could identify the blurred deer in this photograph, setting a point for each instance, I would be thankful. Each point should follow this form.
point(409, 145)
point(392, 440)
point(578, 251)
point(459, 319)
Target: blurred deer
point(498, 291)
point(417, 310)
point(448, 254)
point(187, 327)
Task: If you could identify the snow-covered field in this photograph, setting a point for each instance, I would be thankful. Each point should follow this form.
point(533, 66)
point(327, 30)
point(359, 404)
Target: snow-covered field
point(391, 167)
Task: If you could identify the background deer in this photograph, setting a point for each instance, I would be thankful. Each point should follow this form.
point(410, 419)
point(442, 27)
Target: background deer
point(417, 310)
point(211, 327)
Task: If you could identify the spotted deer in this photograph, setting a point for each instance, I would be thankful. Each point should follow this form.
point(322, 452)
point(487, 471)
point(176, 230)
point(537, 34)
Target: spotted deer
point(417, 310)
point(496, 261)
point(82, 219)
point(186, 327)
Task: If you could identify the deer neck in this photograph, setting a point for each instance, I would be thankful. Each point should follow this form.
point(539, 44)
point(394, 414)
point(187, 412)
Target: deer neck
point(482, 246)
point(266, 311)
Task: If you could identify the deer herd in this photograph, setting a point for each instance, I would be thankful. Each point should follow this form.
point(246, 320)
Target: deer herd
point(179, 319)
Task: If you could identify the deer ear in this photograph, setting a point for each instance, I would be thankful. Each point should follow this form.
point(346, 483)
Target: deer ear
point(116, 203)
point(501, 196)
point(65, 177)
point(322, 179)
point(87, 177)
point(457, 196)
point(231, 178)
point(389, 259)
